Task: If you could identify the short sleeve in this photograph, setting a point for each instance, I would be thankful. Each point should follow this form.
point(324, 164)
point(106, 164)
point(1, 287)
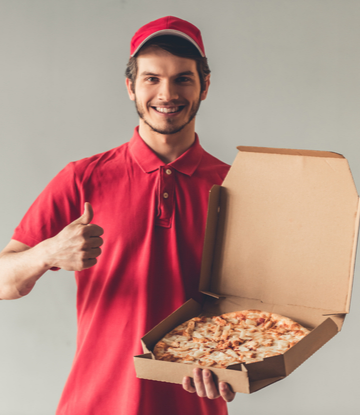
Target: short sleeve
point(58, 205)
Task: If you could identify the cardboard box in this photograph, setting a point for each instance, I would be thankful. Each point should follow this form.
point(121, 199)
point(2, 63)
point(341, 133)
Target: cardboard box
point(281, 237)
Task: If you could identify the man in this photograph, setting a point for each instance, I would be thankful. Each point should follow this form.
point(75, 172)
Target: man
point(148, 198)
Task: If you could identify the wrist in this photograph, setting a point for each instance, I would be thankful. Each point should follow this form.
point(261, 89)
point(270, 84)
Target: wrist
point(43, 257)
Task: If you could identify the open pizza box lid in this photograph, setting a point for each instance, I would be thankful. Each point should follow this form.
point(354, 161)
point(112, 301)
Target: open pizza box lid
point(281, 237)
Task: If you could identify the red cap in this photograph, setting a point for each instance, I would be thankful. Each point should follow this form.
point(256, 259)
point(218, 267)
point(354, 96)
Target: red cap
point(168, 25)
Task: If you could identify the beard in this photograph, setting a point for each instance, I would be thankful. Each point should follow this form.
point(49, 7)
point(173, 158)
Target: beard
point(171, 126)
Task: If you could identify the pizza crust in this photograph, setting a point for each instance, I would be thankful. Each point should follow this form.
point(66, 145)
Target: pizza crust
point(239, 337)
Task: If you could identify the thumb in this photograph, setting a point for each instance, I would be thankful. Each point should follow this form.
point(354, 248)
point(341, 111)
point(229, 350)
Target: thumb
point(87, 216)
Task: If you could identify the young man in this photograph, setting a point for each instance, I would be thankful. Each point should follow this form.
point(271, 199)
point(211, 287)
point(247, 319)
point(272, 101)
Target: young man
point(149, 199)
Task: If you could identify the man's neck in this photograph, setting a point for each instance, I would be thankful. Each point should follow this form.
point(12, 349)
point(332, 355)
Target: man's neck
point(168, 147)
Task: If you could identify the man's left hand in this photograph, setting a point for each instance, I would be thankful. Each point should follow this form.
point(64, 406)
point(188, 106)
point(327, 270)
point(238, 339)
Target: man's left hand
point(205, 386)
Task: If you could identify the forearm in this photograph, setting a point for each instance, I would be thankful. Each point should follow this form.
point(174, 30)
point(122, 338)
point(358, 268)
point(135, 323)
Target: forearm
point(19, 271)
point(74, 248)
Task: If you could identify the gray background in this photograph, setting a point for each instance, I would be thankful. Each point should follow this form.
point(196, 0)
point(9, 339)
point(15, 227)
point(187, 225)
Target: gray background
point(284, 74)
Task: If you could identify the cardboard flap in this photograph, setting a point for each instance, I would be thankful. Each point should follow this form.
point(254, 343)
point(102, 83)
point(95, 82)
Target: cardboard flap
point(260, 384)
point(295, 356)
point(268, 368)
point(287, 229)
point(209, 242)
point(146, 368)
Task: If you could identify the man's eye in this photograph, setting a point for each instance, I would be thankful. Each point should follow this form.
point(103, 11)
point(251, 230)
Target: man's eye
point(151, 79)
point(183, 79)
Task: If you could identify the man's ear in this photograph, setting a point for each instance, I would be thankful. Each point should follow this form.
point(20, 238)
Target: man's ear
point(204, 93)
point(129, 86)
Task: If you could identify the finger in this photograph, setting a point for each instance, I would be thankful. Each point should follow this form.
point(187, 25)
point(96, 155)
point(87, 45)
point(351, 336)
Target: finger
point(93, 253)
point(87, 263)
point(95, 230)
point(87, 216)
point(93, 242)
point(88, 253)
point(210, 387)
point(186, 384)
point(88, 213)
point(199, 383)
point(226, 393)
point(90, 231)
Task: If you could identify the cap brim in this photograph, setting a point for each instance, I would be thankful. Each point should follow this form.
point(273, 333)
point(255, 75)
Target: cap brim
point(172, 32)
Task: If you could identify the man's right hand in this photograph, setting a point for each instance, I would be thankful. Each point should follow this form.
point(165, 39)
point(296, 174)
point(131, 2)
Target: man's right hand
point(77, 246)
point(74, 248)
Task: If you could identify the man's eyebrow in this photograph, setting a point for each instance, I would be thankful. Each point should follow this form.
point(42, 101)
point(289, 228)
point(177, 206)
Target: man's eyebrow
point(148, 74)
point(188, 73)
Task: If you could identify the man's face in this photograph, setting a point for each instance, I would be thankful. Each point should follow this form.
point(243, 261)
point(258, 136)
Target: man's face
point(167, 91)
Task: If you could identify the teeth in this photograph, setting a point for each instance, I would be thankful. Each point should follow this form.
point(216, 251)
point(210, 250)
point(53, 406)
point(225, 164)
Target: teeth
point(167, 109)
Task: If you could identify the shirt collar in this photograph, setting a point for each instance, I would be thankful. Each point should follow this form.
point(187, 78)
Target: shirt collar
point(148, 161)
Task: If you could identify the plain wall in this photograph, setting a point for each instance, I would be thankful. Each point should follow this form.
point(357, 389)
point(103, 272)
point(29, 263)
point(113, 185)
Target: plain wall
point(285, 73)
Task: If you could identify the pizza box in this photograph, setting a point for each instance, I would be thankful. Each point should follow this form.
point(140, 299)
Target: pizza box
point(281, 237)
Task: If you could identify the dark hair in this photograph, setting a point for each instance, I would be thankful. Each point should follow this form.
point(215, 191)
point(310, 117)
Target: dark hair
point(177, 46)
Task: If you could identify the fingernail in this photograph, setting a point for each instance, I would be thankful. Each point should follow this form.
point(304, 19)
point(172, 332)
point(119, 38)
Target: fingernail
point(222, 386)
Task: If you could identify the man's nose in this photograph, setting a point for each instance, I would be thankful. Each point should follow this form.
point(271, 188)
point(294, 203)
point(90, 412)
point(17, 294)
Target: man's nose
point(167, 91)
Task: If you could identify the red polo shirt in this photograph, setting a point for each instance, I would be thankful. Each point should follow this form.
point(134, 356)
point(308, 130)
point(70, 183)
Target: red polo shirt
point(153, 216)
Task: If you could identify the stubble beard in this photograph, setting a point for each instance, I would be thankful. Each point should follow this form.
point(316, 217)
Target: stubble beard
point(170, 128)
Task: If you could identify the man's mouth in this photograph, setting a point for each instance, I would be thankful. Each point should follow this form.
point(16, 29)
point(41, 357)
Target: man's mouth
point(169, 110)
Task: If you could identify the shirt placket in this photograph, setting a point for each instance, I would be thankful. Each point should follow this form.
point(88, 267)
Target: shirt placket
point(165, 196)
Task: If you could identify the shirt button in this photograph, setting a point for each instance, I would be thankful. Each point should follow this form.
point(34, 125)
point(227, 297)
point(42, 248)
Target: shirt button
point(166, 195)
point(168, 171)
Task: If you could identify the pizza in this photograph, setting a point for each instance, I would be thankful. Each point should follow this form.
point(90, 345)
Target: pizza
point(239, 337)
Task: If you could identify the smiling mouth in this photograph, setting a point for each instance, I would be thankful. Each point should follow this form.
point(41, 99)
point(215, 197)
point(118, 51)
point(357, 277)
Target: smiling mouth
point(169, 110)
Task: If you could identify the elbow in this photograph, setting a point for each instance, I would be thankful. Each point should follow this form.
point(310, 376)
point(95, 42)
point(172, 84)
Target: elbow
point(25, 290)
point(13, 293)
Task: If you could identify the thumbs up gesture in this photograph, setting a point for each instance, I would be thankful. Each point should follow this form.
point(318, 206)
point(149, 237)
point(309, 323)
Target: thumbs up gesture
point(77, 246)
point(87, 216)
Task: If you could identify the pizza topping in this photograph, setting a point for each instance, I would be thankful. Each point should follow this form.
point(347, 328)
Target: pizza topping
point(232, 353)
point(238, 337)
point(199, 340)
point(225, 335)
point(252, 345)
point(268, 324)
point(236, 342)
point(190, 328)
point(268, 342)
point(219, 321)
